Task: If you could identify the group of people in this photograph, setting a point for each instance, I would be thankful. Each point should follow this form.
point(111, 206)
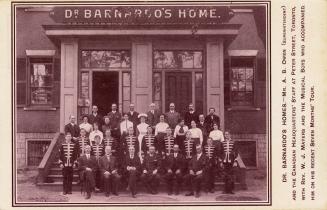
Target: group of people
point(152, 147)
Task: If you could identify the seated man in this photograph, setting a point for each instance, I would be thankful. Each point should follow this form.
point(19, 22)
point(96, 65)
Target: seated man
point(150, 176)
point(133, 168)
point(87, 165)
point(175, 164)
point(98, 152)
point(109, 171)
point(196, 168)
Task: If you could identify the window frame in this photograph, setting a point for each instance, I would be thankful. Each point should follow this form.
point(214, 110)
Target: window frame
point(254, 63)
point(39, 54)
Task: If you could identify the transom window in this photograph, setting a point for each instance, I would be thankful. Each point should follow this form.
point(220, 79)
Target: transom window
point(242, 80)
point(177, 59)
point(106, 59)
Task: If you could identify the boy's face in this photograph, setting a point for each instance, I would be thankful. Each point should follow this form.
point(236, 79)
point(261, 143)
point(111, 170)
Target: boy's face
point(130, 131)
point(188, 135)
point(168, 131)
point(227, 135)
point(83, 133)
point(149, 130)
point(68, 137)
point(97, 139)
point(125, 117)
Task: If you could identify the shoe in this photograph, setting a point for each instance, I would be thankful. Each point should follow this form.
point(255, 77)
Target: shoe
point(70, 192)
point(115, 193)
point(64, 193)
point(88, 196)
point(197, 194)
point(133, 196)
point(189, 194)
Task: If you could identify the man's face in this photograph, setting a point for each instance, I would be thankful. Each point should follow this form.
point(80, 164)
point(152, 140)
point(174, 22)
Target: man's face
point(72, 119)
point(198, 149)
point(130, 131)
point(85, 120)
point(131, 150)
point(176, 148)
point(211, 111)
point(188, 135)
point(68, 137)
point(149, 130)
point(152, 106)
point(168, 131)
point(131, 107)
point(172, 107)
point(151, 150)
point(108, 150)
point(227, 135)
point(114, 107)
point(83, 132)
point(106, 120)
point(201, 118)
point(95, 109)
point(95, 126)
point(210, 141)
point(191, 107)
point(97, 139)
point(108, 133)
point(87, 149)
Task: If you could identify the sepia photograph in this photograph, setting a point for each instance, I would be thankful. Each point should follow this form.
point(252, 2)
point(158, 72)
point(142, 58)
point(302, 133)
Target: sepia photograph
point(141, 103)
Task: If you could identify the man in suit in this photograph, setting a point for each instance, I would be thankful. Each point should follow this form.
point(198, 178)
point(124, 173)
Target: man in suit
point(150, 176)
point(87, 165)
point(211, 119)
point(175, 166)
point(109, 171)
point(196, 167)
point(153, 116)
point(203, 127)
point(133, 116)
point(133, 168)
point(115, 118)
point(190, 115)
point(72, 128)
point(98, 152)
point(172, 116)
point(95, 117)
point(68, 155)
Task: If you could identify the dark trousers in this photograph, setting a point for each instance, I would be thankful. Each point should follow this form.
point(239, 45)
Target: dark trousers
point(210, 176)
point(67, 173)
point(132, 180)
point(174, 180)
point(110, 183)
point(229, 177)
point(88, 181)
point(150, 181)
point(98, 179)
point(193, 182)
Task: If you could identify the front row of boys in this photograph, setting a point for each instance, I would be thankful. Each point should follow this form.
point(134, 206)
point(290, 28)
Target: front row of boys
point(103, 165)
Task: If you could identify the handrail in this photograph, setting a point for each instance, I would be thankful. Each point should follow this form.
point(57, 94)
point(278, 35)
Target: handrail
point(49, 157)
point(241, 175)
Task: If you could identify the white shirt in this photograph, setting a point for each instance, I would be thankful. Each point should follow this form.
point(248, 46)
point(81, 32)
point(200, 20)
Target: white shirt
point(196, 133)
point(125, 125)
point(217, 135)
point(198, 156)
point(93, 134)
point(185, 128)
point(86, 126)
point(161, 127)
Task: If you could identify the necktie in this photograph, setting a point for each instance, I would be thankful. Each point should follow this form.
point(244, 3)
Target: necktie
point(152, 112)
point(175, 155)
point(181, 130)
point(126, 125)
point(87, 156)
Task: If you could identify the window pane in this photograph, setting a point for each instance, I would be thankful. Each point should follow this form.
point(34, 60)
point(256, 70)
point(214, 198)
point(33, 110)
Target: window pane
point(168, 60)
point(41, 75)
point(85, 79)
point(186, 59)
point(157, 86)
point(198, 80)
point(241, 86)
point(85, 92)
point(234, 74)
point(126, 79)
point(86, 59)
point(96, 59)
point(106, 59)
point(41, 95)
point(126, 93)
point(234, 86)
point(248, 85)
point(249, 74)
point(197, 60)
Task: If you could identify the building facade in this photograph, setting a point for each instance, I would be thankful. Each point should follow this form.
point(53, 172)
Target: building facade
point(69, 58)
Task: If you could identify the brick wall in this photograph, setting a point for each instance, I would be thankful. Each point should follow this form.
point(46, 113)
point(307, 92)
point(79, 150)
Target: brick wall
point(21, 145)
point(262, 149)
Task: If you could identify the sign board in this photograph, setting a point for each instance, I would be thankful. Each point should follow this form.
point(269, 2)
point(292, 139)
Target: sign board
point(142, 15)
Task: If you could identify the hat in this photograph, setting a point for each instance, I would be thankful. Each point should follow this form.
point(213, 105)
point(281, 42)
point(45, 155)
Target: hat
point(142, 115)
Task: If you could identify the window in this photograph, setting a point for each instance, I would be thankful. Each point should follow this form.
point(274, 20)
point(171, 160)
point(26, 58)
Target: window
point(242, 78)
point(41, 81)
point(36, 150)
point(106, 59)
point(177, 59)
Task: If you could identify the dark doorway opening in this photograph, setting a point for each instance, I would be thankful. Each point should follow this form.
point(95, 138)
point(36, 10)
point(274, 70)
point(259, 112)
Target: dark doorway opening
point(178, 90)
point(105, 90)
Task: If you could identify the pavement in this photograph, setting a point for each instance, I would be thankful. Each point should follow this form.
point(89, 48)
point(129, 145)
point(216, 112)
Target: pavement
point(27, 191)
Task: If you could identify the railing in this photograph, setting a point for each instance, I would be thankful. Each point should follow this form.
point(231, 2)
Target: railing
point(241, 173)
point(49, 157)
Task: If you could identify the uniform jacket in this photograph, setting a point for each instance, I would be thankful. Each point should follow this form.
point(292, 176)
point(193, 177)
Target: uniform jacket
point(82, 143)
point(113, 143)
point(68, 154)
point(188, 147)
point(97, 150)
point(147, 141)
point(128, 141)
point(229, 151)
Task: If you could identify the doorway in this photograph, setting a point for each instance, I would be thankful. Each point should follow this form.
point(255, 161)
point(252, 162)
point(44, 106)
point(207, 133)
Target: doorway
point(178, 90)
point(105, 88)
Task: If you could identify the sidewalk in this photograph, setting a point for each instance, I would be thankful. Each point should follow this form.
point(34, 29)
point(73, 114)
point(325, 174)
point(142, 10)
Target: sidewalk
point(27, 191)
